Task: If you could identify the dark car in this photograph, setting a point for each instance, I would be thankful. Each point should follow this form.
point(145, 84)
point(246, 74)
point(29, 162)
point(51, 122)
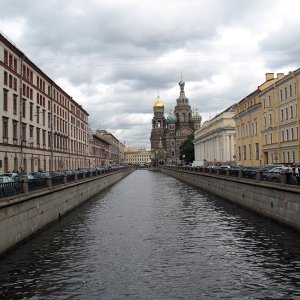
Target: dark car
point(83, 170)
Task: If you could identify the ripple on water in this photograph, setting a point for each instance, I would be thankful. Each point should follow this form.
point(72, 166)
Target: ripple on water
point(153, 237)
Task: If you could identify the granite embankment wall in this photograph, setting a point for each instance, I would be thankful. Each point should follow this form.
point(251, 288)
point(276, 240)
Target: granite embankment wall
point(277, 201)
point(24, 215)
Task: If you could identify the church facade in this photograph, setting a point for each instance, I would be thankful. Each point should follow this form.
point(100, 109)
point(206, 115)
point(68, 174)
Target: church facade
point(169, 133)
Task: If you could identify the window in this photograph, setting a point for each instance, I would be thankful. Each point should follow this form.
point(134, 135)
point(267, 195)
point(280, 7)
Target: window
point(38, 136)
point(270, 119)
point(282, 115)
point(271, 138)
point(282, 136)
point(286, 113)
point(15, 64)
point(269, 100)
point(31, 111)
point(15, 84)
point(256, 151)
point(245, 152)
point(49, 120)
point(292, 113)
point(280, 95)
point(5, 99)
point(5, 56)
point(37, 114)
point(15, 129)
point(10, 61)
point(5, 127)
point(265, 121)
point(31, 131)
point(287, 134)
point(285, 93)
point(44, 137)
point(5, 78)
point(15, 104)
point(24, 108)
point(265, 139)
point(24, 132)
point(292, 133)
point(293, 155)
point(291, 94)
point(250, 154)
point(10, 82)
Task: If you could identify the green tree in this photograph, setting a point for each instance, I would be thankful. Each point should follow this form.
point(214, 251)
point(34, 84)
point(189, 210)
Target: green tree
point(187, 152)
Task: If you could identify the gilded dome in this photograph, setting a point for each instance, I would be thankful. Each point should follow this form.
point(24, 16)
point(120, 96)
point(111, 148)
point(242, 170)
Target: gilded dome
point(158, 104)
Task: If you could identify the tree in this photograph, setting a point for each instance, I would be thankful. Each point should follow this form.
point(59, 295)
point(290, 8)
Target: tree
point(187, 151)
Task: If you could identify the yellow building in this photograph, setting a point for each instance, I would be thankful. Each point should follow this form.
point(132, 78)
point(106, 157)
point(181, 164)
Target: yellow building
point(280, 120)
point(136, 156)
point(248, 121)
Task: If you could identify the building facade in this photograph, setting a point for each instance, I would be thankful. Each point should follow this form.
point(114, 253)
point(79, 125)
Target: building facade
point(280, 110)
point(248, 121)
point(42, 127)
point(168, 134)
point(99, 150)
point(214, 142)
point(134, 156)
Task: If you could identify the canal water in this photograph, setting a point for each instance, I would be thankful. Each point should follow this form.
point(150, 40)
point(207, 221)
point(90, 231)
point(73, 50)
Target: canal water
point(151, 236)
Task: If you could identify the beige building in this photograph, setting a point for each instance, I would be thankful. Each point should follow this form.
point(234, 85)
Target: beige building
point(136, 156)
point(99, 150)
point(248, 121)
point(280, 120)
point(121, 153)
point(214, 141)
point(114, 148)
point(41, 126)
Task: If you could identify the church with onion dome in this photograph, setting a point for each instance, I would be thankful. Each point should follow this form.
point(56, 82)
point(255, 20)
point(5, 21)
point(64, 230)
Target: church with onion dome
point(169, 133)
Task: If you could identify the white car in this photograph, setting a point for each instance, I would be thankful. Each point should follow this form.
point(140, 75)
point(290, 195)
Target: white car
point(5, 187)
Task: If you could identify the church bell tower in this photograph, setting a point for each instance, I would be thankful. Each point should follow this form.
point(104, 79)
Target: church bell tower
point(158, 138)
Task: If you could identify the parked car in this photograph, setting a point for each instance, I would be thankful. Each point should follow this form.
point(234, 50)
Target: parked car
point(41, 174)
point(27, 175)
point(273, 174)
point(7, 185)
point(83, 170)
point(69, 172)
point(54, 173)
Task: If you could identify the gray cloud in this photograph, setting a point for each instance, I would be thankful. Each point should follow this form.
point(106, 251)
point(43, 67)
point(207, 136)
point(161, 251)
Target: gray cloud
point(114, 57)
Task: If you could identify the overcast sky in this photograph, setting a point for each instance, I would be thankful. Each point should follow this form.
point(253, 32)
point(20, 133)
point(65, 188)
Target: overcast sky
point(115, 56)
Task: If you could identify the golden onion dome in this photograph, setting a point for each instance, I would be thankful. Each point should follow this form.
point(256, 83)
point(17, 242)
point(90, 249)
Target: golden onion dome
point(158, 104)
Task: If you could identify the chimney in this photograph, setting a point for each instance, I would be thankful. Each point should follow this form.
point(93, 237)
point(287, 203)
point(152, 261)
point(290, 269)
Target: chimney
point(269, 76)
point(280, 76)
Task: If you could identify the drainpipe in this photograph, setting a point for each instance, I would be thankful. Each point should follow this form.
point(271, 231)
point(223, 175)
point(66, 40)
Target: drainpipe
point(51, 126)
point(21, 113)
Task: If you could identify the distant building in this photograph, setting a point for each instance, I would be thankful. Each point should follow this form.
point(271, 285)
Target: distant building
point(114, 147)
point(168, 134)
point(99, 150)
point(136, 156)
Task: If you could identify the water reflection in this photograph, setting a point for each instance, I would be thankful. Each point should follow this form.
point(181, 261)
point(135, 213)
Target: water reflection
point(153, 237)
